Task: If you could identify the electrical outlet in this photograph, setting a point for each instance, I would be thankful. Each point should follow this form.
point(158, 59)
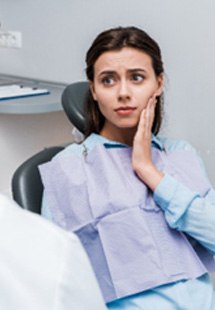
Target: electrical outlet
point(11, 39)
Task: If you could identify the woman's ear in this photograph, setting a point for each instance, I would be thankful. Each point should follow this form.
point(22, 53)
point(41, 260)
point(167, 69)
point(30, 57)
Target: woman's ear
point(92, 89)
point(160, 82)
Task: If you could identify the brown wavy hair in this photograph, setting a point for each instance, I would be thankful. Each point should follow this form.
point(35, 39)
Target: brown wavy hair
point(112, 40)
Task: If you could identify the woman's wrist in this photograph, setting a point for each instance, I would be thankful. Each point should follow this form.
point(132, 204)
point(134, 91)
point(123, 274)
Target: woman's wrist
point(150, 175)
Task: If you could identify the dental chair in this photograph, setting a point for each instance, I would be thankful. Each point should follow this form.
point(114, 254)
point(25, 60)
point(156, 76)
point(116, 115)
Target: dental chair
point(27, 188)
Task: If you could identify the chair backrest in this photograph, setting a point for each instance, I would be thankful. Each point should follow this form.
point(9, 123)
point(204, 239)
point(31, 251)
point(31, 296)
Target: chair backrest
point(73, 99)
point(27, 188)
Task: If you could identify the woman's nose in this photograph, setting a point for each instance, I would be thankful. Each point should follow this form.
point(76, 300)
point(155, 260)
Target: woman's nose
point(124, 91)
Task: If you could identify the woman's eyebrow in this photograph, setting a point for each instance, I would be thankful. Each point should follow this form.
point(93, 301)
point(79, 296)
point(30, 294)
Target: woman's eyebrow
point(107, 72)
point(133, 70)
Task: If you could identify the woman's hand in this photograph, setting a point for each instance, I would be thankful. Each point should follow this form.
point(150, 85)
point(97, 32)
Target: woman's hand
point(141, 156)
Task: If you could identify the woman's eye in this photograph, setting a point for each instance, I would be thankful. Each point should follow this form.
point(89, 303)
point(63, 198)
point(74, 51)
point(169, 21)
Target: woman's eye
point(137, 77)
point(108, 80)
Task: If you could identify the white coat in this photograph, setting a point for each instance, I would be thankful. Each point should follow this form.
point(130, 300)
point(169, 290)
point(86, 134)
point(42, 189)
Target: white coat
point(42, 267)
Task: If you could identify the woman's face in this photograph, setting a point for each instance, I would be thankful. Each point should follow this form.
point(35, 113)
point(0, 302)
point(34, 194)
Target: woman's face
point(123, 83)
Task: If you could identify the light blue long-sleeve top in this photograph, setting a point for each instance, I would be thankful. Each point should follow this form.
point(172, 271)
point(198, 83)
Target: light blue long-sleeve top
point(184, 210)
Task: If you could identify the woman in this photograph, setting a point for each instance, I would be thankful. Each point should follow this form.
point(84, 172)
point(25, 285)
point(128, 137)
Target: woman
point(141, 204)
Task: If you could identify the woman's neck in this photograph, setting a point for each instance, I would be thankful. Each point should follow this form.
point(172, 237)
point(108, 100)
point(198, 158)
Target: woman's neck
point(124, 135)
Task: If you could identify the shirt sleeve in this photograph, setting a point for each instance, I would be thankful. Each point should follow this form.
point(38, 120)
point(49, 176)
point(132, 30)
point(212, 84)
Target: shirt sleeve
point(185, 210)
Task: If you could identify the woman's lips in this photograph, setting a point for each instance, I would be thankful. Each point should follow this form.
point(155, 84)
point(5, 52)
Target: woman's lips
point(124, 111)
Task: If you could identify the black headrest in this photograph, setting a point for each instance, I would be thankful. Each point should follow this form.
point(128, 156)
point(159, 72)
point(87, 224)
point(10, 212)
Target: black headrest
point(73, 99)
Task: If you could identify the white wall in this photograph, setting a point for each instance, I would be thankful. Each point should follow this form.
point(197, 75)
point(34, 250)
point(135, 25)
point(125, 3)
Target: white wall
point(56, 35)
